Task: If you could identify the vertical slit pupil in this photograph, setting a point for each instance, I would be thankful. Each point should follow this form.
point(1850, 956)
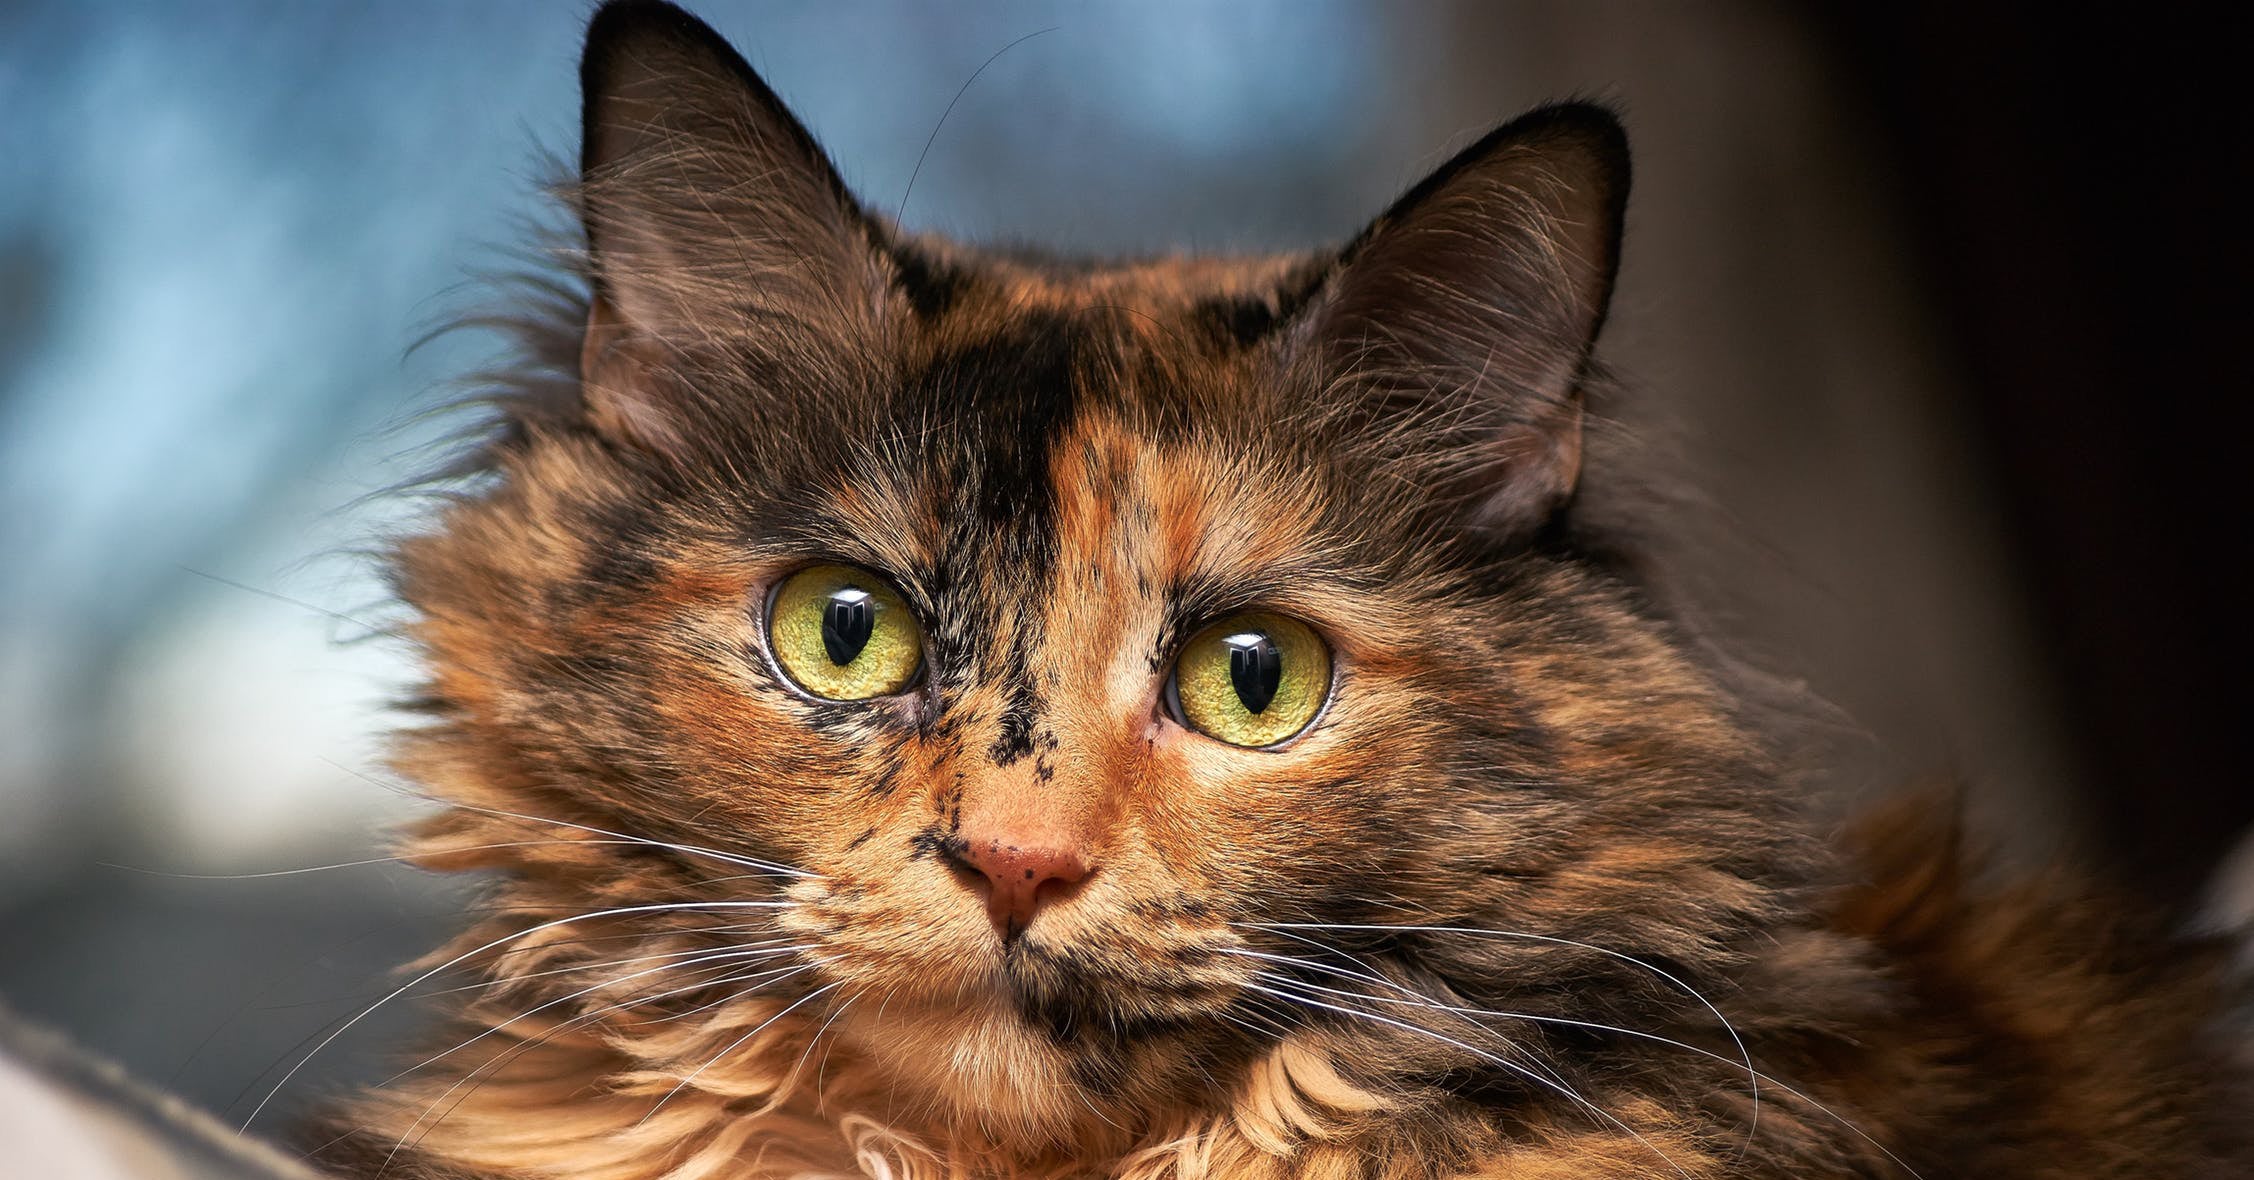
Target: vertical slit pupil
point(848, 619)
point(1256, 668)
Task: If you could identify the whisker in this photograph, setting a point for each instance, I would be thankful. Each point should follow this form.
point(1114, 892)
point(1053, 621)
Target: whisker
point(1424, 1002)
point(411, 984)
point(1755, 1076)
point(501, 1060)
point(1567, 1091)
point(690, 849)
point(1271, 1026)
point(790, 1082)
point(732, 1045)
point(822, 1070)
point(638, 935)
point(1332, 950)
point(734, 996)
point(1773, 1082)
point(729, 956)
point(509, 980)
point(373, 860)
point(1745, 1055)
point(1419, 1000)
point(1535, 1061)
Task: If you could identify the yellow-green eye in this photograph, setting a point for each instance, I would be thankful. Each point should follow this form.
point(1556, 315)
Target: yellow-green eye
point(1251, 679)
point(841, 633)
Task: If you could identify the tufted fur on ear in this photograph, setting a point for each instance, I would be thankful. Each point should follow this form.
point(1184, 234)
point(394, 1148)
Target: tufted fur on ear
point(715, 227)
point(1470, 308)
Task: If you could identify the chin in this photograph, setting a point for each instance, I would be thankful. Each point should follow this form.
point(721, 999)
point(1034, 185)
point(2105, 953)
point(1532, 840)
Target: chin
point(1028, 1047)
point(978, 1068)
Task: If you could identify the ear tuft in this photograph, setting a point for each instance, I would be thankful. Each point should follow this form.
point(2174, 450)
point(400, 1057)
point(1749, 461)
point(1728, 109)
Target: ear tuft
point(1463, 319)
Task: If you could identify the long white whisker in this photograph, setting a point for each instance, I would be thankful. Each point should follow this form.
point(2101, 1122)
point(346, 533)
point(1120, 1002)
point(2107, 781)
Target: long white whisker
point(821, 1069)
point(509, 980)
point(731, 1047)
point(378, 860)
point(1773, 1082)
point(638, 935)
point(1757, 1077)
point(791, 1081)
point(710, 956)
point(1514, 1067)
point(691, 849)
point(732, 997)
point(1332, 950)
point(1420, 1001)
point(1745, 1055)
point(411, 984)
point(579, 1021)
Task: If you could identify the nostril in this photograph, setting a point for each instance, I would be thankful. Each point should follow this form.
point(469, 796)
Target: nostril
point(1048, 890)
point(957, 856)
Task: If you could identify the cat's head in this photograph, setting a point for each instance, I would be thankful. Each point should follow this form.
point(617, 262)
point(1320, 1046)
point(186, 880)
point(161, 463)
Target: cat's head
point(1087, 640)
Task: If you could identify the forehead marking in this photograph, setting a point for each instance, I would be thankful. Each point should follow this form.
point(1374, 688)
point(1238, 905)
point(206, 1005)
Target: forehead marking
point(1027, 389)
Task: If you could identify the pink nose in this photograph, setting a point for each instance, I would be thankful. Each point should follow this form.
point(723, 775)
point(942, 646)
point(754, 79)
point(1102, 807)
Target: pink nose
point(1021, 879)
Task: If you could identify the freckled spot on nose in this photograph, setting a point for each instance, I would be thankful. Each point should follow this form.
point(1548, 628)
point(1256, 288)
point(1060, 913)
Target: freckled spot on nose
point(1018, 881)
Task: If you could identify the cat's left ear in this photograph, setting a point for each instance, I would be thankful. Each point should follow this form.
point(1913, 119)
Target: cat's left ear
point(1459, 325)
point(713, 219)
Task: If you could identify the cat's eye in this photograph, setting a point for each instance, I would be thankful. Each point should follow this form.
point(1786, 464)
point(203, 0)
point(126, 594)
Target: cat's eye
point(1252, 680)
point(842, 634)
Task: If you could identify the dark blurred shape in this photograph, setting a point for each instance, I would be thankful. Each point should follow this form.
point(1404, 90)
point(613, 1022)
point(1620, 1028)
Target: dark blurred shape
point(2078, 187)
point(213, 990)
point(70, 1114)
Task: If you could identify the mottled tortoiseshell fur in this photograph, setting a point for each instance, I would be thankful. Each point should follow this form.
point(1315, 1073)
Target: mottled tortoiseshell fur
point(1570, 891)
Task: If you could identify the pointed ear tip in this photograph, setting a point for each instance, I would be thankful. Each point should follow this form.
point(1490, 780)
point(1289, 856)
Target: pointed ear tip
point(654, 33)
point(1592, 129)
point(1581, 143)
point(617, 19)
point(637, 47)
point(619, 24)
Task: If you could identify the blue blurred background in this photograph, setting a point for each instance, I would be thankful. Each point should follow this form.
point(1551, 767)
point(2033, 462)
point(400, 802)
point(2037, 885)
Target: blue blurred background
point(222, 225)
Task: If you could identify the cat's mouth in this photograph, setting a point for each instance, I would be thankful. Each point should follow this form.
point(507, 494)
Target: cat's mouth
point(1071, 992)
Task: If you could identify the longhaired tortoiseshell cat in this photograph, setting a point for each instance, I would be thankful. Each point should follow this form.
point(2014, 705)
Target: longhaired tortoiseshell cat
point(939, 713)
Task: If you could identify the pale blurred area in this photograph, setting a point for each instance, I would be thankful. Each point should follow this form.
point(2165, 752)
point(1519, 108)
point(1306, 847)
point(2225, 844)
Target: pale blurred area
point(222, 225)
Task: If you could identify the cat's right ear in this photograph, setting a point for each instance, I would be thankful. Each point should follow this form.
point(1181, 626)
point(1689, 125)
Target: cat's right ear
point(1458, 328)
point(710, 212)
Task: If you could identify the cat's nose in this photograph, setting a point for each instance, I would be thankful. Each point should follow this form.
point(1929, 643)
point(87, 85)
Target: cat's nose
point(1021, 877)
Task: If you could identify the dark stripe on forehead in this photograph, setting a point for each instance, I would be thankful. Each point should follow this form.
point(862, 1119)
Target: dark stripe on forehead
point(994, 407)
point(999, 406)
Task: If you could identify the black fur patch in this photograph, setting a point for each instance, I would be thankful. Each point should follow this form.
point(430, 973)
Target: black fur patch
point(1241, 320)
point(930, 285)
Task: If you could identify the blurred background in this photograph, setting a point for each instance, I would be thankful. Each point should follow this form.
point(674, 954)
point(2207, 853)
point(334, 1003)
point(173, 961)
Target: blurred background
point(1941, 309)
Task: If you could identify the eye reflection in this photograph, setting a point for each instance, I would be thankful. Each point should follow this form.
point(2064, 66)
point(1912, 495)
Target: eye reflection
point(848, 619)
point(1256, 668)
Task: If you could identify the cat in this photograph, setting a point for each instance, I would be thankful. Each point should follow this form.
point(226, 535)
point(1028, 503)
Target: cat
point(942, 712)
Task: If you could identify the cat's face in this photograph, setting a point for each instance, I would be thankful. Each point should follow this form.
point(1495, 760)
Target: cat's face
point(1071, 634)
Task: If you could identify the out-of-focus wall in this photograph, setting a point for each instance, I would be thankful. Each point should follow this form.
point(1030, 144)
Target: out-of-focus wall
point(222, 225)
